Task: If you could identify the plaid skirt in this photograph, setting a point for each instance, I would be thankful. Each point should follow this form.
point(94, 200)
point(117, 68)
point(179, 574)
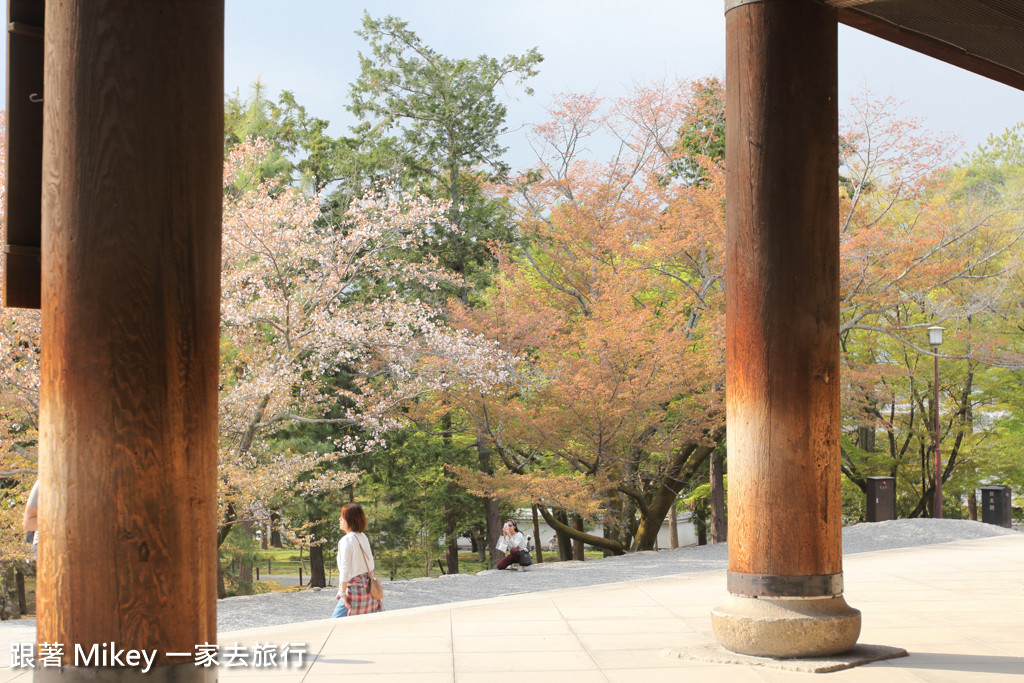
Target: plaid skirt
point(359, 599)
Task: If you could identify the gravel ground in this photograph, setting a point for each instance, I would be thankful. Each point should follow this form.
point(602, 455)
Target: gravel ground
point(271, 609)
point(283, 608)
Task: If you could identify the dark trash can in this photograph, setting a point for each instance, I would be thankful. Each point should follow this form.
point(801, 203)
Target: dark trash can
point(997, 506)
point(881, 493)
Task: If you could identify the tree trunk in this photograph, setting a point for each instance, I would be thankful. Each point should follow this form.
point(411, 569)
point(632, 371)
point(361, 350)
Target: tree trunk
point(564, 539)
point(609, 521)
point(450, 513)
point(625, 522)
point(8, 594)
point(451, 555)
point(19, 579)
point(683, 467)
point(719, 524)
point(275, 530)
point(222, 591)
point(451, 526)
point(537, 541)
point(428, 554)
point(577, 543)
point(480, 546)
point(972, 505)
point(245, 560)
point(673, 529)
point(491, 512)
point(866, 438)
point(317, 570)
point(264, 537)
point(564, 533)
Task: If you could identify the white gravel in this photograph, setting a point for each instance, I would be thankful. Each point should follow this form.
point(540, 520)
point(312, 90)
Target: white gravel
point(271, 609)
point(283, 608)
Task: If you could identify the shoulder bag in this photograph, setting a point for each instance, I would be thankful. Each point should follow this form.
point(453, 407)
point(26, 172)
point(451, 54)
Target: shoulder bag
point(376, 588)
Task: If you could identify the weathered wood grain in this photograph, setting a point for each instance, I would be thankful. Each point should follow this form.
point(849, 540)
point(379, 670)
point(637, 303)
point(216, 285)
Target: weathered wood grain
point(133, 121)
point(782, 289)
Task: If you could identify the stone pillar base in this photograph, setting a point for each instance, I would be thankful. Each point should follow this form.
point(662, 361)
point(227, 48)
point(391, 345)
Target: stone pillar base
point(786, 627)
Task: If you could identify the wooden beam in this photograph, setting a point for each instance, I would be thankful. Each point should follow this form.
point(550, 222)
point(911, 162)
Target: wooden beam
point(23, 197)
point(930, 46)
point(847, 3)
point(133, 152)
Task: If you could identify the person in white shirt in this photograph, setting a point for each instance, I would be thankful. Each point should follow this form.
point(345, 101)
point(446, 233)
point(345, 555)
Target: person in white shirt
point(512, 542)
point(32, 516)
point(355, 565)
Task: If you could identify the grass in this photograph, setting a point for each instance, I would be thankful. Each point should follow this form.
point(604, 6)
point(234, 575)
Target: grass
point(469, 563)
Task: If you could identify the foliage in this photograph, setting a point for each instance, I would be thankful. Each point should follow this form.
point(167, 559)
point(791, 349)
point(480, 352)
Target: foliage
point(239, 549)
point(410, 498)
point(614, 307)
point(445, 110)
point(302, 304)
point(19, 406)
point(704, 133)
point(436, 122)
point(924, 244)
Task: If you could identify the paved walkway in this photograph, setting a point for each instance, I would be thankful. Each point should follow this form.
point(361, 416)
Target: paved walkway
point(958, 608)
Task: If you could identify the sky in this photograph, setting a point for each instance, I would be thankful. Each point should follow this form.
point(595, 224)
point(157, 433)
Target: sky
point(600, 46)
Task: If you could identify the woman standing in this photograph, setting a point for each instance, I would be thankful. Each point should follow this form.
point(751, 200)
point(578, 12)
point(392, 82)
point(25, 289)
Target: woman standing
point(513, 542)
point(355, 565)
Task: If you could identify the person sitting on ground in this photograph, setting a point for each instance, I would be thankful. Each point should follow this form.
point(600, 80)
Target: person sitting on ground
point(355, 565)
point(512, 542)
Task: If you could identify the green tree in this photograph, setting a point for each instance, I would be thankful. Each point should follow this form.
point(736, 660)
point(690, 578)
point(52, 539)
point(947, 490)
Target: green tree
point(703, 135)
point(923, 244)
point(437, 122)
point(257, 117)
point(413, 503)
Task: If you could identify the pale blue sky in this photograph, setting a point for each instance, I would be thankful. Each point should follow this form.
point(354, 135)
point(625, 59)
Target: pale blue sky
point(308, 46)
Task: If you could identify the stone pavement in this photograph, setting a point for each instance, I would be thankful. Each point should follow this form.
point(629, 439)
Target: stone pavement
point(957, 608)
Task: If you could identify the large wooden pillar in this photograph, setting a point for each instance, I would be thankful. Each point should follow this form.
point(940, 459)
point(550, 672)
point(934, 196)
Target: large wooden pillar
point(133, 149)
point(782, 385)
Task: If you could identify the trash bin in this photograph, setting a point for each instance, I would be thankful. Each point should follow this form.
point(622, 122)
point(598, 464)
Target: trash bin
point(881, 493)
point(997, 506)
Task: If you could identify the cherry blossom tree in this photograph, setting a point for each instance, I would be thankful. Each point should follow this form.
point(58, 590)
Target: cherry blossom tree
point(320, 326)
point(303, 304)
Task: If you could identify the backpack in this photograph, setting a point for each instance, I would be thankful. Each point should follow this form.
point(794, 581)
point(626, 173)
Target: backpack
point(525, 558)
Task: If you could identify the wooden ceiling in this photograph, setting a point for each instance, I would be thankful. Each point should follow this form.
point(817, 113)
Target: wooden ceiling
point(983, 36)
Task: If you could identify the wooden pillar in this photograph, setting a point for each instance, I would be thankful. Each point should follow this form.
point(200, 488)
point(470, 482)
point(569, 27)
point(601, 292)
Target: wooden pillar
point(133, 149)
point(782, 330)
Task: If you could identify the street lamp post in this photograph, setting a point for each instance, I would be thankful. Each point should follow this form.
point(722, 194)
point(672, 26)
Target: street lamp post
point(935, 339)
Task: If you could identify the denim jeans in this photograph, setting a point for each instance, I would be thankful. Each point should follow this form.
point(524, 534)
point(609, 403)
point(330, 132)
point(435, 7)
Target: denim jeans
point(340, 610)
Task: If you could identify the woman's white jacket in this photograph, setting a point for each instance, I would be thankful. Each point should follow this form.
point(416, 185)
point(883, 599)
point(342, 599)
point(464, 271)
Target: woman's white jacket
point(517, 540)
point(354, 556)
